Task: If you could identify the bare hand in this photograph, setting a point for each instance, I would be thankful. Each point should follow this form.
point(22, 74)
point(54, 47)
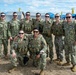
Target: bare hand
point(38, 56)
point(14, 55)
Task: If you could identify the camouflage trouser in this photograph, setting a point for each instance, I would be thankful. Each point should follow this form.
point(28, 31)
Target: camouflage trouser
point(70, 53)
point(50, 45)
point(59, 47)
point(68, 48)
point(17, 60)
point(41, 62)
point(0, 47)
point(5, 44)
point(73, 55)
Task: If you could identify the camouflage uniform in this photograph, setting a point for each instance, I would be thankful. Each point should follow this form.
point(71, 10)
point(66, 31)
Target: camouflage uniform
point(38, 24)
point(13, 26)
point(4, 35)
point(26, 26)
point(35, 46)
point(69, 33)
point(58, 32)
point(21, 49)
point(48, 36)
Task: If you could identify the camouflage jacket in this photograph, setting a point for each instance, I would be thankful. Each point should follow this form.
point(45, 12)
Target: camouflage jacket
point(57, 29)
point(13, 26)
point(20, 46)
point(37, 44)
point(4, 31)
point(47, 28)
point(26, 26)
point(38, 24)
point(69, 32)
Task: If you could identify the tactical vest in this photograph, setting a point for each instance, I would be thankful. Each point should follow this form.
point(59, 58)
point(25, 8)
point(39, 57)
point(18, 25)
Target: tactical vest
point(35, 45)
point(27, 26)
point(47, 28)
point(14, 27)
point(57, 30)
point(22, 46)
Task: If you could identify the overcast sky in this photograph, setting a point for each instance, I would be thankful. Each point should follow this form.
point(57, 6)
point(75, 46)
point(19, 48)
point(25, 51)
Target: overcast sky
point(54, 6)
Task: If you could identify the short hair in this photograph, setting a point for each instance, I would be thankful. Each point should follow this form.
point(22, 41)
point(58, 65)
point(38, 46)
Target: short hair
point(57, 14)
point(68, 13)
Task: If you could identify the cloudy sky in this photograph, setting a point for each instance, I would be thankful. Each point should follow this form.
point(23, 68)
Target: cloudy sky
point(54, 6)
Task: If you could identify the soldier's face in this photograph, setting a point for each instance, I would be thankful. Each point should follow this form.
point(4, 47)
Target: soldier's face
point(57, 17)
point(36, 33)
point(47, 18)
point(38, 17)
point(15, 16)
point(69, 18)
point(21, 34)
point(28, 17)
point(2, 17)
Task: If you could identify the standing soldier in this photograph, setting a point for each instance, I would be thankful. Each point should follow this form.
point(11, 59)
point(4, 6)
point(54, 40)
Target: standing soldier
point(48, 34)
point(58, 32)
point(14, 26)
point(4, 34)
point(26, 24)
point(19, 51)
point(38, 22)
point(69, 28)
point(38, 47)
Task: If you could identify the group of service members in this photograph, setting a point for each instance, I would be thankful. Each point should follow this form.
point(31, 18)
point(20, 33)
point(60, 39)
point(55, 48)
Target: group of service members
point(35, 36)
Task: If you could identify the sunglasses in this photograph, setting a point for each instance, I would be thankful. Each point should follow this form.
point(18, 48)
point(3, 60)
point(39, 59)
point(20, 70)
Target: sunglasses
point(56, 16)
point(35, 31)
point(21, 33)
point(68, 17)
point(46, 16)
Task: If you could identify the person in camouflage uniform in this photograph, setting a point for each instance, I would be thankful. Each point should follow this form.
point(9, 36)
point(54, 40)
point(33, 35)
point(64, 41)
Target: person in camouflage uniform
point(13, 26)
point(69, 28)
point(19, 51)
point(57, 30)
point(38, 47)
point(4, 34)
point(26, 24)
point(38, 22)
point(48, 34)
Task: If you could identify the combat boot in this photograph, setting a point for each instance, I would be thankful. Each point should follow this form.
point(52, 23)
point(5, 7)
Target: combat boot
point(42, 72)
point(60, 63)
point(12, 69)
point(67, 64)
point(56, 60)
point(73, 68)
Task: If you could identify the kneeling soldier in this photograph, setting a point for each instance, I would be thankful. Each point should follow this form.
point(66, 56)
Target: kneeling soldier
point(19, 51)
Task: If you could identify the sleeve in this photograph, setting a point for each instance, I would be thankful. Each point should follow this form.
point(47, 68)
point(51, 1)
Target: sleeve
point(44, 45)
point(8, 30)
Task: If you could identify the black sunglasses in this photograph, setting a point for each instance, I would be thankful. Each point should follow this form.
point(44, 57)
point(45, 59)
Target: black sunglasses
point(56, 16)
point(21, 33)
point(35, 31)
point(68, 17)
